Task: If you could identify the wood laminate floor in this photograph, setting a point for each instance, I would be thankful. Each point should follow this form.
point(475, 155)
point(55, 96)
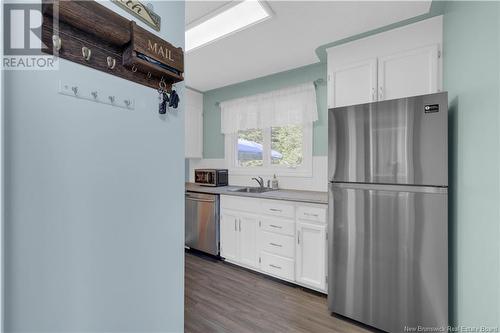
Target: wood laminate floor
point(221, 297)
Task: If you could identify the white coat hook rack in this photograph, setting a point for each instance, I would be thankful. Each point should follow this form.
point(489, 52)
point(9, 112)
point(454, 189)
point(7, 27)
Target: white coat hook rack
point(95, 95)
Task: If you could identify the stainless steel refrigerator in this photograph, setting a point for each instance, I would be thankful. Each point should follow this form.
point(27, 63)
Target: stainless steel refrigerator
point(388, 212)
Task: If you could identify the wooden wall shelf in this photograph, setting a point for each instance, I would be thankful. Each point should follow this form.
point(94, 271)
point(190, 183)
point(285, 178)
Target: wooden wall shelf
point(117, 46)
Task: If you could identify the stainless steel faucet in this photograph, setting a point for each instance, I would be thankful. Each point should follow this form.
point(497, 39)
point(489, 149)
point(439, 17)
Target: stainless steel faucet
point(260, 181)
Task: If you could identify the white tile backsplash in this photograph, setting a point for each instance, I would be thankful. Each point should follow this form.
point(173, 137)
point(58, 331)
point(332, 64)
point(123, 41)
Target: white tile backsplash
point(318, 182)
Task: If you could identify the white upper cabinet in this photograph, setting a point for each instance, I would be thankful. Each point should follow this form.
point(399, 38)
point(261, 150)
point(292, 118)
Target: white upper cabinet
point(193, 120)
point(398, 63)
point(353, 84)
point(408, 73)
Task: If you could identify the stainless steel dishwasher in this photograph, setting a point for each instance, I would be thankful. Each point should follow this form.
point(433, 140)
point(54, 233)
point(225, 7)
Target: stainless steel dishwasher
point(202, 222)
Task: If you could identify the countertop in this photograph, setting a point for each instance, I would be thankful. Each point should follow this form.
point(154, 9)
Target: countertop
point(288, 195)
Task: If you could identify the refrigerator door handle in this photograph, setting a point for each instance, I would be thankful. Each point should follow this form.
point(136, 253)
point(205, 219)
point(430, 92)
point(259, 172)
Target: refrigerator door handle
point(393, 188)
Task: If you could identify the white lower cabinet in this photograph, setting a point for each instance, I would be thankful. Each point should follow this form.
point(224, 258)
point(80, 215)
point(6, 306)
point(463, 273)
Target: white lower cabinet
point(284, 239)
point(311, 255)
point(229, 235)
point(277, 244)
point(278, 266)
point(248, 240)
point(238, 238)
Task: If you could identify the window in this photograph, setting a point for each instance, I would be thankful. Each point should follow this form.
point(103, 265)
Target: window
point(286, 145)
point(270, 133)
point(250, 148)
point(285, 150)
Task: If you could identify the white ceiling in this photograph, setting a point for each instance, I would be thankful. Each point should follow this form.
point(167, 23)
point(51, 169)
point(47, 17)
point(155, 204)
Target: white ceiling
point(286, 41)
point(197, 9)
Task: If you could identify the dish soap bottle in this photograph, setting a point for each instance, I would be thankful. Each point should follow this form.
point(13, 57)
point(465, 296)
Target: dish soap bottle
point(275, 182)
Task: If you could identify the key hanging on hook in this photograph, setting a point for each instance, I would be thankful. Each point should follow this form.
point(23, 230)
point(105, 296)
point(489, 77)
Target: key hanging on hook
point(162, 97)
point(174, 99)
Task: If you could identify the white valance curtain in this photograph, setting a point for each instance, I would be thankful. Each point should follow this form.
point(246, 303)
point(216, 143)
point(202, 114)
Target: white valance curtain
point(289, 106)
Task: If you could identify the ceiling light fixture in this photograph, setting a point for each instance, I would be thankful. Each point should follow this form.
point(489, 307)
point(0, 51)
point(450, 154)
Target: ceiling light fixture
point(225, 21)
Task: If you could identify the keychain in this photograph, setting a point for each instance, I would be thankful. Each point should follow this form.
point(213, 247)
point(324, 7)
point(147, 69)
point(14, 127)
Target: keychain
point(163, 98)
point(174, 100)
point(162, 109)
point(166, 101)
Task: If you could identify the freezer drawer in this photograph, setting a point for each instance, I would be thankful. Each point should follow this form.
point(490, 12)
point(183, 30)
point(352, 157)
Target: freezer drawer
point(388, 257)
point(403, 141)
point(202, 222)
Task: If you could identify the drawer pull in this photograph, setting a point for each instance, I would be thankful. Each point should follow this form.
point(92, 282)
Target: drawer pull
point(310, 214)
point(274, 266)
point(276, 226)
point(275, 210)
point(274, 244)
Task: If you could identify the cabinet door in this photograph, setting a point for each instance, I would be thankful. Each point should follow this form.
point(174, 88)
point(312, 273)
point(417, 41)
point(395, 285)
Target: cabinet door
point(247, 227)
point(193, 120)
point(408, 73)
point(311, 251)
point(229, 236)
point(353, 84)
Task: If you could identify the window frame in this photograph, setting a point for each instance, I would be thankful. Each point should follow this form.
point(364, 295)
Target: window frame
point(268, 169)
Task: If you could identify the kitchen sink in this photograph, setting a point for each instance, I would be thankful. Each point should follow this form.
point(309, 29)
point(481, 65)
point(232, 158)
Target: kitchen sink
point(252, 190)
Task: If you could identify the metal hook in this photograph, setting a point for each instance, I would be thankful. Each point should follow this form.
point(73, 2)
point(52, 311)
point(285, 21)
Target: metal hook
point(162, 84)
point(111, 62)
point(134, 68)
point(149, 75)
point(86, 53)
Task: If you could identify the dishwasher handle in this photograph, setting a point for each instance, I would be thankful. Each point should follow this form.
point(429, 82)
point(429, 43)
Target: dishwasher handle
point(193, 198)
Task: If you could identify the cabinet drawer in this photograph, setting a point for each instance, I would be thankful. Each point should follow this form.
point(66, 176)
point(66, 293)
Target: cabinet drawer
point(276, 265)
point(277, 244)
point(317, 214)
point(281, 226)
point(242, 204)
point(278, 208)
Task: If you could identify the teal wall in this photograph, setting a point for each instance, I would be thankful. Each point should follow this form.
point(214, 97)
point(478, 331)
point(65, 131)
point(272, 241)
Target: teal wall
point(471, 76)
point(213, 140)
point(94, 219)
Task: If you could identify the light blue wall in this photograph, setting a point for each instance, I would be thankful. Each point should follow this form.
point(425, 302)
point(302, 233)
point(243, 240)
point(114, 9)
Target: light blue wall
point(94, 229)
point(472, 78)
point(213, 140)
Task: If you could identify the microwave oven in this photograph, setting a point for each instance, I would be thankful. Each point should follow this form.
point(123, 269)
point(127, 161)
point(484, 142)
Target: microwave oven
point(211, 177)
